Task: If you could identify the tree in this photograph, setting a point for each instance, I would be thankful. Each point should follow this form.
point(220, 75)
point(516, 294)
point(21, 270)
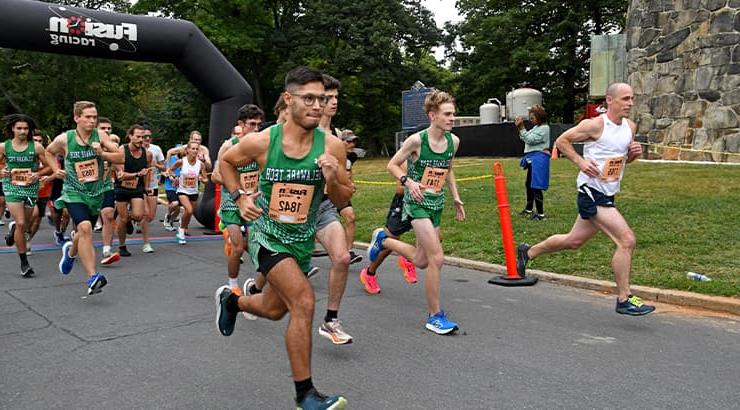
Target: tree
point(541, 43)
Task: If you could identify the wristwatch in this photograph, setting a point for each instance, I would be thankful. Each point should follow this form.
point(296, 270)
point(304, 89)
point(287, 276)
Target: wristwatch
point(403, 179)
point(236, 194)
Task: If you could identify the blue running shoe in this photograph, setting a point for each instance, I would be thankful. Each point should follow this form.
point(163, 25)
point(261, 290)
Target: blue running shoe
point(439, 324)
point(95, 283)
point(225, 320)
point(67, 262)
point(316, 401)
point(59, 238)
point(376, 244)
point(633, 306)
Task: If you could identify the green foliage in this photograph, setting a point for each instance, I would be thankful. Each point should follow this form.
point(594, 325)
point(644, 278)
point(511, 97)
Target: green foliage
point(541, 43)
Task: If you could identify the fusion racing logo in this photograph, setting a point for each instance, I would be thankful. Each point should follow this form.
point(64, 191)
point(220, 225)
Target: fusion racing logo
point(85, 31)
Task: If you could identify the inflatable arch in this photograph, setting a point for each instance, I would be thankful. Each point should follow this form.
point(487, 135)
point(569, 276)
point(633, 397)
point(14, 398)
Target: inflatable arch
point(51, 28)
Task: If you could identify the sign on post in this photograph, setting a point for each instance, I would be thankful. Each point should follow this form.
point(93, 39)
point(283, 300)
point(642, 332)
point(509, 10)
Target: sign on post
point(412, 107)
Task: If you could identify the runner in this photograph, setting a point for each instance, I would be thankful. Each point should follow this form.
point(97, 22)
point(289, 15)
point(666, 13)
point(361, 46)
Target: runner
point(295, 160)
point(430, 154)
point(170, 189)
point(130, 181)
point(44, 192)
point(191, 170)
point(59, 217)
point(108, 210)
point(348, 212)
point(151, 187)
point(84, 150)
point(395, 226)
point(21, 181)
point(609, 144)
point(330, 232)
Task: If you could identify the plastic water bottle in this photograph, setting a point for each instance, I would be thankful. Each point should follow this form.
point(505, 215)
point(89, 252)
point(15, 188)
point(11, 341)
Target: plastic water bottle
point(698, 277)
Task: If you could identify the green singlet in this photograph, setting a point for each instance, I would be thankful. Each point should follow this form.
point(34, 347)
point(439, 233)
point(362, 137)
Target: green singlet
point(84, 181)
point(430, 169)
point(228, 210)
point(27, 160)
point(292, 189)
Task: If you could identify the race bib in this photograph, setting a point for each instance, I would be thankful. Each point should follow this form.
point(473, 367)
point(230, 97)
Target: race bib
point(190, 181)
point(612, 169)
point(21, 176)
point(249, 181)
point(130, 183)
point(289, 203)
point(87, 171)
point(434, 179)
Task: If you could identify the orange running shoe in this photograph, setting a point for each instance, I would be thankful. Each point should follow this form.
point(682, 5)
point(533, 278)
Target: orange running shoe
point(370, 282)
point(236, 290)
point(227, 244)
point(409, 269)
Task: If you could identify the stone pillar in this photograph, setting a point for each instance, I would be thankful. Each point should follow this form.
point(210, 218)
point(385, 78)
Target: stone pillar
point(683, 62)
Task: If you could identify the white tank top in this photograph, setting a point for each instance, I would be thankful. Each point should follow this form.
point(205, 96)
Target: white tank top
point(189, 177)
point(610, 154)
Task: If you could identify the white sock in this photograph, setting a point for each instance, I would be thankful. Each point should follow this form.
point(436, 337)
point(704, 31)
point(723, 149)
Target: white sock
point(233, 282)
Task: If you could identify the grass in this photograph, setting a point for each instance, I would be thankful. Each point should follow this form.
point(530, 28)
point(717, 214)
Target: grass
point(685, 218)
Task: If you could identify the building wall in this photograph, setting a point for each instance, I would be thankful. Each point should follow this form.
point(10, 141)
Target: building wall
point(684, 66)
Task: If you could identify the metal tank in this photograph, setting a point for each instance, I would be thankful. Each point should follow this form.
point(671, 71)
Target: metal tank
point(520, 100)
point(490, 112)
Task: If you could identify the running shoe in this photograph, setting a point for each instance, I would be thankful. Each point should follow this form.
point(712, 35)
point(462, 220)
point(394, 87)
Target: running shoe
point(227, 243)
point(354, 258)
point(95, 283)
point(409, 269)
point(168, 223)
point(26, 270)
point(2, 223)
point(137, 227)
point(67, 262)
point(633, 306)
point(249, 290)
point(123, 251)
point(370, 282)
point(10, 237)
point(29, 251)
point(181, 236)
point(334, 332)
point(439, 324)
point(129, 227)
point(98, 227)
point(538, 217)
point(315, 401)
point(522, 259)
point(312, 271)
point(110, 258)
point(527, 213)
point(225, 320)
point(59, 238)
point(376, 244)
point(147, 248)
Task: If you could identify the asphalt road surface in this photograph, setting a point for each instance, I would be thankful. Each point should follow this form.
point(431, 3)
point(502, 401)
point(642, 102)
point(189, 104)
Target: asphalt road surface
point(150, 341)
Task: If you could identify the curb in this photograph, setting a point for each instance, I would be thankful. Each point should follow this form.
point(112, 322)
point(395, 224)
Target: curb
point(674, 297)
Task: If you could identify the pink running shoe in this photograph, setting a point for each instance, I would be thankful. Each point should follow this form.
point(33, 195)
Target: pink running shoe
point(409, 270)
point(370, 282)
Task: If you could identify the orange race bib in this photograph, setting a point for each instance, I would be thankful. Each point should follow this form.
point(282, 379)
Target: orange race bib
point(130, 183)
point(190, 181)
point(289, 203)
point(612, 169)
point(21, 176)
point(434, 179)
point(249, 181)
point(87, 171)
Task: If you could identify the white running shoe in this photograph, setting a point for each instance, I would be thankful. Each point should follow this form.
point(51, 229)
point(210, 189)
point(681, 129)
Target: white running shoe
point(147, 248)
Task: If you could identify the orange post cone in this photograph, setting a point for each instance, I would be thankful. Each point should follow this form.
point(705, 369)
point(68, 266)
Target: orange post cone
point(511, 278)
point(554, 152)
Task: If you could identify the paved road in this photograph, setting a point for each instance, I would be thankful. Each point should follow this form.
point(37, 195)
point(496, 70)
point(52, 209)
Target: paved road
point(150, 341)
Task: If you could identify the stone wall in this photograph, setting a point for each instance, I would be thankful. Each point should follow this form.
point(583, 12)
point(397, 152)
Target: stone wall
point(684, 66)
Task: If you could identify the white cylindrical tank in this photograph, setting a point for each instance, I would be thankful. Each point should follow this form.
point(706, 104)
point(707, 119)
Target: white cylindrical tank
point(519, 101)
point(490, 112)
